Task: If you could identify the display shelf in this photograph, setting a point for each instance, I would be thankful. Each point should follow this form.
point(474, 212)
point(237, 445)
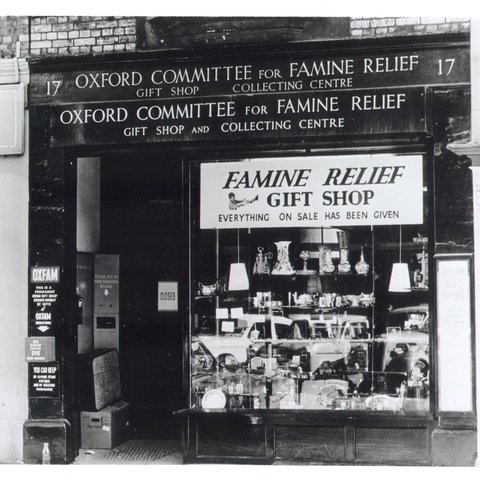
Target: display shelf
point(300, 273)
point(305, 273)
point(346, 275)
point(335, 319)
point(317, 309)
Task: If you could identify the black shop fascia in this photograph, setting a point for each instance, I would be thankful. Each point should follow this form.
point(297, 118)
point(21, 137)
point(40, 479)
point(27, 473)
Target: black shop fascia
point(265, 155)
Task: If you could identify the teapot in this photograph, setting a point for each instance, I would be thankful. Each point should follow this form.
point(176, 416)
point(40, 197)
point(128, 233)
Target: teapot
point(366, 299)
point(304, 300)
point(207, 289)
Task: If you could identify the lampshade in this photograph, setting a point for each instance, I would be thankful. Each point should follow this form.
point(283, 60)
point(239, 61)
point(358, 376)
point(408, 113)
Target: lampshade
point(238, 279)
point(400, 278)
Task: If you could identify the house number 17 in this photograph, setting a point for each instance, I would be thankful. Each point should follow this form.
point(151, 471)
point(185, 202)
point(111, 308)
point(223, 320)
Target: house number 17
point(447, 65)
point(52, 87)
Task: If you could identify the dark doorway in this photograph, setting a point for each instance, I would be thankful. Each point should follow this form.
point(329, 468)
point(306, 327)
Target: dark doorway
point(141, 221)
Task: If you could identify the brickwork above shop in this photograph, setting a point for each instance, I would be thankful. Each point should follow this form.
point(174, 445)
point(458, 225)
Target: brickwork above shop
point(82, 35)
point(13, 30)
point(392, 26)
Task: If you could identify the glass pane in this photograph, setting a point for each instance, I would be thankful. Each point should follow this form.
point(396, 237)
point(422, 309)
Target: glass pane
point(321, 324)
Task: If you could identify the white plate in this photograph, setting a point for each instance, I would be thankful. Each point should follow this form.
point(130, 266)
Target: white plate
point(381, 402)
point(257, 363)
point(214, 399)
point(330, 392)
point(287, 402)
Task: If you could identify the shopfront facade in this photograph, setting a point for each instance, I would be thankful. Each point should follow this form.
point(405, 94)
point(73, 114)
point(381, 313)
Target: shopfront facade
point(307, 246)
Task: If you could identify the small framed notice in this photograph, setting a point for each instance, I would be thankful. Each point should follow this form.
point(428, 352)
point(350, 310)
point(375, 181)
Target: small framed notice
point(12, 119)
point(168, 296)
point(40, 349)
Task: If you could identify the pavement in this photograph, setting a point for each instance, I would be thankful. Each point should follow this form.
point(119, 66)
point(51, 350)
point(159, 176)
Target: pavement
point(134, 452)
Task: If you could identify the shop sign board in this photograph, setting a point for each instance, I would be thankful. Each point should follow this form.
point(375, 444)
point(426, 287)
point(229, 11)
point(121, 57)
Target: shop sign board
point(40, 349)
point(295, 94)
point(312, 192)
point(44, 282)
point(303, 115)
point(454, 317)
point(315, 70)
point(168, 296)
point(43, 380)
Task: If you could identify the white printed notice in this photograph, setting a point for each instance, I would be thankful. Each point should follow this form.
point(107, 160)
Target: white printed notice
point(454, 336)
point(312, 192)
point(168, 296)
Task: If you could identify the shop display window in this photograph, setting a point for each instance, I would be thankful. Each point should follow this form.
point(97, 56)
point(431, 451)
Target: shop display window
point(310, 318)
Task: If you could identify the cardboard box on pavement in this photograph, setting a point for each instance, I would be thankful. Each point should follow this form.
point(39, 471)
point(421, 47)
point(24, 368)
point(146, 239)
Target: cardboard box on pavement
point(106, 428)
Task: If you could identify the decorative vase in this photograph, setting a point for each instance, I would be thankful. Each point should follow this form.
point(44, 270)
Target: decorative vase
point(344, 265)
point(362, 267)
point(282, 266)
point(325, 264)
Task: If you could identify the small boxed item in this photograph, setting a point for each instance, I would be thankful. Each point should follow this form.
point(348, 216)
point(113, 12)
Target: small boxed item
point(106, 428)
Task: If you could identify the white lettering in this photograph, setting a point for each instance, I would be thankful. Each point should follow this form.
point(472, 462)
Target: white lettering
point(108, 79)
point(98, 115)
point(46, 274)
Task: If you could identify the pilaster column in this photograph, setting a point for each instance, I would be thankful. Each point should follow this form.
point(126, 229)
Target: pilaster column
point(472, 150)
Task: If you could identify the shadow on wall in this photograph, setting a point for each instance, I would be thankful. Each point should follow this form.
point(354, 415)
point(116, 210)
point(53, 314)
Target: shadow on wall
point(174, 32)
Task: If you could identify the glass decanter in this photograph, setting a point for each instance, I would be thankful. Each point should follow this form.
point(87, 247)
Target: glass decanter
point(362, 267)
point(304, 255)
point(262, 266)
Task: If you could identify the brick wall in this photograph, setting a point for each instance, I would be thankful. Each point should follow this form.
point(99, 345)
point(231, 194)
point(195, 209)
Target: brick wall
point(13, 30)
point(80, 35)
point(77, 35)
point(390, 26)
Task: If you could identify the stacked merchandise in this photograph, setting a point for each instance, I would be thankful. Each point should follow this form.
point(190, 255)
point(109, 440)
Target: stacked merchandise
point(104, 417)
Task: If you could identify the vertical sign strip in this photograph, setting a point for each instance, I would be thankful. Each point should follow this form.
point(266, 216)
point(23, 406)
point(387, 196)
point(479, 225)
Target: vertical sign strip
point(454, 335)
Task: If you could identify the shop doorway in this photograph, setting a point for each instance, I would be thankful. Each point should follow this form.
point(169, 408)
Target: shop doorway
point(130, 206)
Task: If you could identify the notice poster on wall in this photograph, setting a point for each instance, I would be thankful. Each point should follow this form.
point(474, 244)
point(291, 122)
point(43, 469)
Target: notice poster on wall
point(312, 192)
point(106, 283)
point(44, 380)
point(45, 282)
point(40, 349)
point(454, 335)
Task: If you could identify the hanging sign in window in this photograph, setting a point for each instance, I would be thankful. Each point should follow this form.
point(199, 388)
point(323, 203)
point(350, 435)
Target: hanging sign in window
point(312, 192)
